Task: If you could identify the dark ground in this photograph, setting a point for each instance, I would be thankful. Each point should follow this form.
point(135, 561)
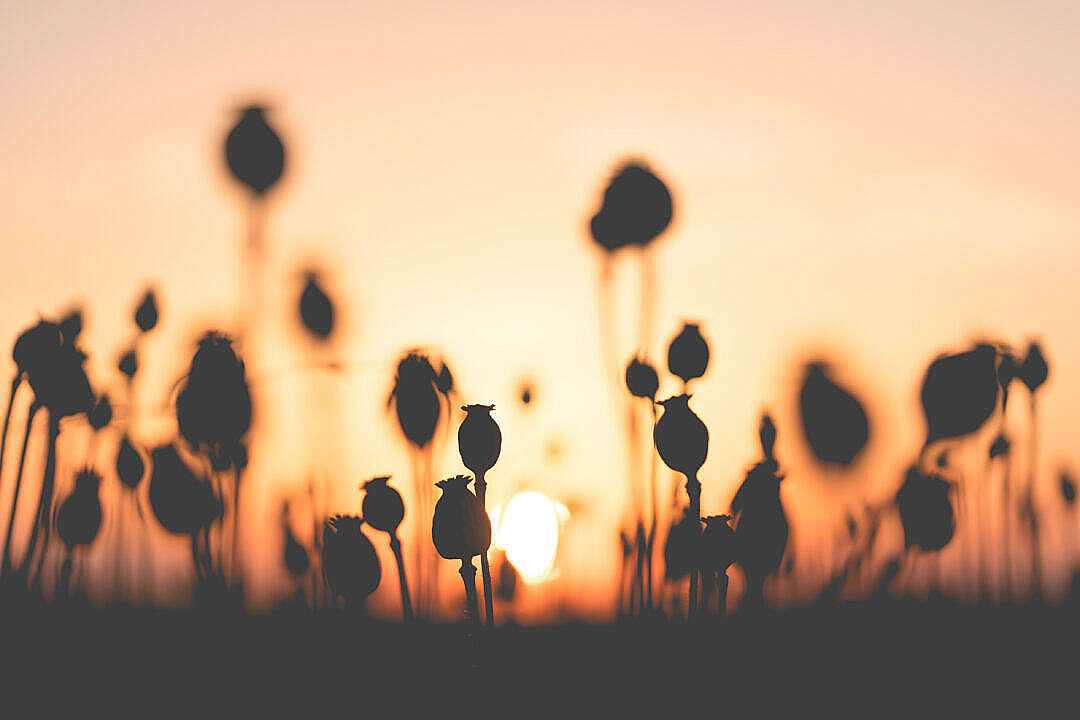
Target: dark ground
point(869, 660)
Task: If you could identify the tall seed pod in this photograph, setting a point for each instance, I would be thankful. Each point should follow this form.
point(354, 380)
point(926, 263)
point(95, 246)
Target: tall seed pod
point(349, 562)
point(384, 510)
point(718, 552)
point(833, 420)
point(761, 530)
point(688, 354)
point(480, 442)
point(78, 520)
point(460, 530)
point(316, 309)
point(682, 440)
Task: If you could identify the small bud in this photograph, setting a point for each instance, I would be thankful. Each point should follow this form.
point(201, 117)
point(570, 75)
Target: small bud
point(641, 379)
point(688, 353)
point(101, 413)
point(146, 314)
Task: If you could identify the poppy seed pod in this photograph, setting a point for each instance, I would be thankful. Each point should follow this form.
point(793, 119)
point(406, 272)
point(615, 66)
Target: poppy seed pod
point(182, 502)
point(60, 383)
point(681, 437)
point(833, 421)
point(36, 346)
point(146, 314)
point(350, 564)
point(128, 364)
point(460, 527)
point(641, 379)
point(767, 435)
point(78, 518)
point(636, 208)
point(316, 310)
point(101, 413)
point(297, 561)
point(129, 464)
point(926, 511)
point(688, 353)
point(254, 151)
point(479, 438)
point(416, 399)
point(680, 554)
point(213, 409)
point(959, 392)
point(761, 529)
point(71, 326)
point(444, 381)
point(1034, 370)
point(718, 544)
point(382, 506)
point(1000, 447)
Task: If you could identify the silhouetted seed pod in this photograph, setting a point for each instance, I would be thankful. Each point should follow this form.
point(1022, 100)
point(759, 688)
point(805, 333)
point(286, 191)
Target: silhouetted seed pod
point(479, 438)
point(681, 437)
point(1034, 371)
point(129, 464)
point(1000, 447)
point(128, 365)
point(213, 409)
point(688, 353)
point(316, 310)
point(506, 578)
point(101, 413)
point(182, 502)
point(761, 528)
point(718, 545)
point(444, 381)
point(833, 421)
point(926, 511)
point(679, 547)
point(254, 151)
point(146, 314)
point(526, 393)
point(767, 435)
point(297, 561)
point(460, 529)
point(636, 208)
point(78, 518)
point(61, 384)
point(641, 379)
point(1008, 370)
point(71, 326)
point(382, 506)
point(350, 565)
point(1068, 487)
point(959, 393)
point(416, 399)
point(37, 346)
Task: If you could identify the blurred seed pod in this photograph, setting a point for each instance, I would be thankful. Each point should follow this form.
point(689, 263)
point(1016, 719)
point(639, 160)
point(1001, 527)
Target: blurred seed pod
point(213, 408)
point(1068, 487)
point(479, 438)
point(129, 464)
point(1000, 447)
point(681, 437)
point(254, 152)
point(101, 413)
point(182, 502)
point(926, 511)
point(834, 422)
point(78, 517)
point(37, 346)
point(127, 364)
point(316, 309)
point(688, 353)
point(71, 326)
point(719, 548)
point(761, 529)
point(641, 379)
point(959, 393)
point(416, 399)
point(460, 528)
point(383, 507)
point(297, 561)
point(61, 384)
point(636, 208)
point(680, 547)
point(1034, 370)
point(767, 435)
point(444, 381)
point(146, 314)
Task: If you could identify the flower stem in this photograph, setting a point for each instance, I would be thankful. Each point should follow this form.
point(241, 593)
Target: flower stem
point(468, 576)
point(7, 422)
point(406, 605)
point(693, 490)
point(485, 568)
point(6, 567)
point(43, 521)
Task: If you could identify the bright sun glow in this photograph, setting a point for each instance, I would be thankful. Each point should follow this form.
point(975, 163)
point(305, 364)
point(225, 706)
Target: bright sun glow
point(528, 531)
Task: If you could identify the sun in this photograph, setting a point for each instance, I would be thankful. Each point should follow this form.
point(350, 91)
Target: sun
point(527, 530)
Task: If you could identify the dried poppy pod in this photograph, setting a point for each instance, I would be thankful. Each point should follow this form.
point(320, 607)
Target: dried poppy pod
point(78, 518)
point(416, 398)
point(681, 437)
point(959, 392)
point(460, 528)
point(316, 310)
point(129, 464)
point(767, 435)
point(718, 544)
point(641, 379)
point(479, 438)
point(182, 502)
point(636, 208)
point(382, 506)
point(834, 422)
point(680, 547)
point(1034, 370)
point(37, 346)
point(688, 353)
point(254, 151)
point(444, 381)
point(146, 314)
point(101, 413)
point(926, 511)
point(350, 565)
point(61, 385)
point(213, 409)
point(128, 364)
point(761, 530)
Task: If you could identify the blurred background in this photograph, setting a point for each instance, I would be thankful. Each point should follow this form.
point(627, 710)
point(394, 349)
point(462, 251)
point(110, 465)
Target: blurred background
point(871, 185)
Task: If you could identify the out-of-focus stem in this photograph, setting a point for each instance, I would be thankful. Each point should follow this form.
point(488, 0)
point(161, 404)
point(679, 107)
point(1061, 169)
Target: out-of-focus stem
point(485, 569)
point(7, 423)
point(43, 516)
point(6, 567)
point(406, 604)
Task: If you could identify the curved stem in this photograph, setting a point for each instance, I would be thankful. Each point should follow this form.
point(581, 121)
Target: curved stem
point(485, 568)
point(406, 604)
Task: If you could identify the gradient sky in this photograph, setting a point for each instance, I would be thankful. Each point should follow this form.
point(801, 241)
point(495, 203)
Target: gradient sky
point(875, 184)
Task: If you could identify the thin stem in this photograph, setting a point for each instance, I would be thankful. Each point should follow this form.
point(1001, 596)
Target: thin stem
point(44, 509)
point(235, 561)
point(721, 600)
point(6, 567)
point(468, 576)
point(406, 604)
point(7, 423)
point(485, 568)
point(653, 512)
point(693, 490)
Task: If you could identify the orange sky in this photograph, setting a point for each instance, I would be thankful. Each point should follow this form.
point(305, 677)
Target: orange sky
point(879, 184)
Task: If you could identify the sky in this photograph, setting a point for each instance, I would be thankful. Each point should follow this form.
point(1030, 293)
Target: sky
point(873, 183)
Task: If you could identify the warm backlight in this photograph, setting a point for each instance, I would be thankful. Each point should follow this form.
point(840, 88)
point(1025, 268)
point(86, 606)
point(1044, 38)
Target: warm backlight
point(528, 531)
